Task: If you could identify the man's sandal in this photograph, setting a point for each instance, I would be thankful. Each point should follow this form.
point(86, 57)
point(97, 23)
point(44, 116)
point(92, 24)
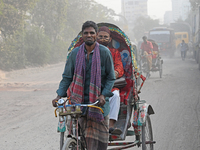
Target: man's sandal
point(115, 131)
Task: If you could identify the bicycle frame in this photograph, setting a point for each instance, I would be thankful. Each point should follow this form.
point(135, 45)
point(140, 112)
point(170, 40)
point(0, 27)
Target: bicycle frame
point(74, 111)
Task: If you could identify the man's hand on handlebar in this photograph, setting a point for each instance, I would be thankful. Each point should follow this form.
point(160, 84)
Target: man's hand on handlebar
point(55, 100)
point(102, 100)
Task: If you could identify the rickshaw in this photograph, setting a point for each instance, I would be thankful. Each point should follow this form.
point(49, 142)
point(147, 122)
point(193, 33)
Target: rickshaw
point(134, 115)
point(156, 61)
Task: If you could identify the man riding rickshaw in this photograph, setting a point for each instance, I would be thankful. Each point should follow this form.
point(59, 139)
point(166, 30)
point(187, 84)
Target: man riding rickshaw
point(89, 76)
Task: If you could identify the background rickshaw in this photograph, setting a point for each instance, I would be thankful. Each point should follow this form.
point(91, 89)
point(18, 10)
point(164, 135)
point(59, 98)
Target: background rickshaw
point(156, 61)
point(134, 115)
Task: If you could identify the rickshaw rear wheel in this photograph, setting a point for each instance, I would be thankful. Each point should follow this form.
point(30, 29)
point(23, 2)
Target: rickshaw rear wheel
point(160, 68)
point(147, 134)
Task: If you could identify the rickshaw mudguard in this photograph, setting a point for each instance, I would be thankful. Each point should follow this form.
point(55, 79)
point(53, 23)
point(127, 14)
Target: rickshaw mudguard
point(143, 111)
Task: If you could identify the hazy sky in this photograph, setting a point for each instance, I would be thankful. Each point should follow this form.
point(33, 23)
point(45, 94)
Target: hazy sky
point(156, 8)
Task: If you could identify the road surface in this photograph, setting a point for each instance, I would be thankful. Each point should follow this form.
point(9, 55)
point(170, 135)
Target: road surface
point(27, 119)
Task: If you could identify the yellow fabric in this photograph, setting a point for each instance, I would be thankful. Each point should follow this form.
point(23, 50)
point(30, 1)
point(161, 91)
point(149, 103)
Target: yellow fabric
point(149, 59)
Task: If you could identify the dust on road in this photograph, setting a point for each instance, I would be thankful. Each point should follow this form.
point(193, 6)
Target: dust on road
point(27, 119)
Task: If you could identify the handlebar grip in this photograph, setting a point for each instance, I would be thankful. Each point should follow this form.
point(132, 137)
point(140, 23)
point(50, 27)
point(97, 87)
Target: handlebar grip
point(97, 101)
point(97, 108)
point(55, 112)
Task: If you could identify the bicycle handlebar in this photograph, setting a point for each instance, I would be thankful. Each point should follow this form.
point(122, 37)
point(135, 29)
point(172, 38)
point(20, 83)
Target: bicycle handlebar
point(81, 105)
point(61, 105)
point(85, 105)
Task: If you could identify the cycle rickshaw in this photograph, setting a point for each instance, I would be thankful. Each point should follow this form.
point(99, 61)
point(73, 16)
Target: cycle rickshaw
point(134, 115)
point(156, 61)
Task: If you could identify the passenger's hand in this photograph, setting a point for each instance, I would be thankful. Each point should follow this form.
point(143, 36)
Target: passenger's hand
point(116, 74)
point(102, 100)
point(55, 100)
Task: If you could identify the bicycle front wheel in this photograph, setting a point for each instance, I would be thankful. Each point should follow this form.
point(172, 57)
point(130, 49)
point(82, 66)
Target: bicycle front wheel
point(70, 144)
point(61, 139)
point(147, 135)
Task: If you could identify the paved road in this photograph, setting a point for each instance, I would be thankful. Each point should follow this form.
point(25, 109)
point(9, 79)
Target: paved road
point(175, 99)
point(27, 119)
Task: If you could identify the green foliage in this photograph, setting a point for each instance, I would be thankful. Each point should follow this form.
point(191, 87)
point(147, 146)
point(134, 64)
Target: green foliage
point(79, 11)
point(50, 14)
point(58, 52)
point(13, 15)
point(31, 48)
point(195, 3)
point(142, 25)
point(11, 53)
point(39, 32)
point(1, 7)
point(25, 49)
point(36, 47)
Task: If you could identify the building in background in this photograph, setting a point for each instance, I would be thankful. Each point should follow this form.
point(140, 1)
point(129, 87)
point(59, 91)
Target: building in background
point(168, 17)
point(180, 9)
point(132, 9)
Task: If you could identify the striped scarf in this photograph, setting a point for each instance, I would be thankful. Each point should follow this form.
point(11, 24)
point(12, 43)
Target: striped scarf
point(77, 85)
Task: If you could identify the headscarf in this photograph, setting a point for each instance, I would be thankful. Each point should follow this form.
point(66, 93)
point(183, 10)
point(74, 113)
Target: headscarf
point(77, 85)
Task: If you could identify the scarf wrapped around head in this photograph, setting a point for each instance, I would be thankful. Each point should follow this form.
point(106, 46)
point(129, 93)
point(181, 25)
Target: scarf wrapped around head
point(77, 85)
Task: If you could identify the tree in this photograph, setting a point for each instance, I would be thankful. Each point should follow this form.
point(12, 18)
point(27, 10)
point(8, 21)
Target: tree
point(50, 15)
point(37, 47)
point(142, 25)
point(13, 15)
point(37, 32)
point(79, 11)
point(64, 18)
point(195, 3)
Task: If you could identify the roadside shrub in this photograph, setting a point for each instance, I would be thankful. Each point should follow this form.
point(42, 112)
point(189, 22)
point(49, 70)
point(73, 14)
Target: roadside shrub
point(59, 51)
point(30, 48)
point(11, 53)
point(37, 48)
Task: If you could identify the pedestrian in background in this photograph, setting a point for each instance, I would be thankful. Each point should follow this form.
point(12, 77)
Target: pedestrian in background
point(184, 48)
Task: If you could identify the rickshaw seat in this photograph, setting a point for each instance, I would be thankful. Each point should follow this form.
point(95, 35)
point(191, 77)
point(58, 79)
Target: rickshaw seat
point(124, 92)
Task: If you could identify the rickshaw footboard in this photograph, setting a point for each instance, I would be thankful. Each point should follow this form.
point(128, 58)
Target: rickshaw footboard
point(127, 144)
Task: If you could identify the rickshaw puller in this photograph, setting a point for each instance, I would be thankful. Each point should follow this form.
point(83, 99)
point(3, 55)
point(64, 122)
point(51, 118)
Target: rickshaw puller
point(146, 48)
point(89, 74)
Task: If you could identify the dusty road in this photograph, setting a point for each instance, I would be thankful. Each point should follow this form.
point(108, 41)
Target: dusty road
point(27, 119)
